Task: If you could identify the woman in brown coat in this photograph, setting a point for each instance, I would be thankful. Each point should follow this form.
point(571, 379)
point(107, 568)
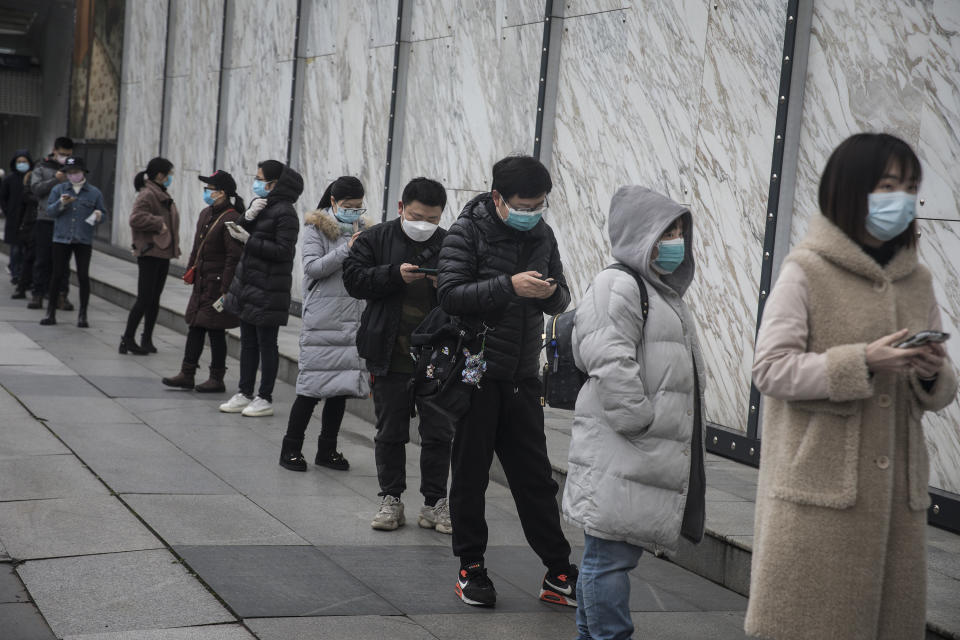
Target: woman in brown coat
point(840, 549)
point(155, 224)
point(213, 262)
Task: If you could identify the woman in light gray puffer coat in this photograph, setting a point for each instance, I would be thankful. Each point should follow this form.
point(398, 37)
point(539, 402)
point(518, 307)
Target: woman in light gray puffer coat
point(330, 367)
point(635, 475)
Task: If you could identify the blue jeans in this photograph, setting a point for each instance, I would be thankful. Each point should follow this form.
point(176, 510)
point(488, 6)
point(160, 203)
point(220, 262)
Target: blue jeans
point(603, 589)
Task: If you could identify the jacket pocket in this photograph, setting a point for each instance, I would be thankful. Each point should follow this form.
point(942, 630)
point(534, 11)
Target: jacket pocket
point(819, 457)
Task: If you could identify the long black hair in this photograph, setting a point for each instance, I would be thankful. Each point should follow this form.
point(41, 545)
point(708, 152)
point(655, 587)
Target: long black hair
point(155, 167)
point(853, 171)
point(343, 188)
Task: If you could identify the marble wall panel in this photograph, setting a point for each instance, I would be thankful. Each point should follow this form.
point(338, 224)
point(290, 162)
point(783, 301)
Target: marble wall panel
point(486, 108)
point(939, 147)
point(627, 110)
point(196, 27)
point(861, 76)
point(939, 248)
point(259, 32)
point(737, 119)
point(574, 8)
point(144, 40)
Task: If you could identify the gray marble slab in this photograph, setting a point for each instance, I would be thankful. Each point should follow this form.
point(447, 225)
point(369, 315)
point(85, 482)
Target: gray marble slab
point(259, 32)
point(11, 589)
point(144, 40)
point(70, 527)
point(165, 473)
point(574, 8)
point(119, 592)
point(212, 632)
point(44, 477)
point(394, 627)
point(550, 622)
point(196, 29)
point(23, 622)
point(23, 436)
point(211, 520)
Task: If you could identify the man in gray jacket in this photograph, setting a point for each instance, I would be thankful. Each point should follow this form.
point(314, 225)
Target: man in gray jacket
point(635, 476)
point(47, 174)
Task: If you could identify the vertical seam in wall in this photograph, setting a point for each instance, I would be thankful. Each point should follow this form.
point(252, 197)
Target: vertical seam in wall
point(542, 85)
point(397, 102)
point(163, 92)
point(216, 129)
point(550, 72)
point(293, 84)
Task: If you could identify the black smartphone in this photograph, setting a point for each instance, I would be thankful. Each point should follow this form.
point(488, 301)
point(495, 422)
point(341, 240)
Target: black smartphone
point(429, 272)
point(547, 280)
point(921, 338)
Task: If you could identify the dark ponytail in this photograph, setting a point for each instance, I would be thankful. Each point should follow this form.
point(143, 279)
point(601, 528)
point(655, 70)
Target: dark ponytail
point(238, 203)
point(343, 188)
point(155, 167)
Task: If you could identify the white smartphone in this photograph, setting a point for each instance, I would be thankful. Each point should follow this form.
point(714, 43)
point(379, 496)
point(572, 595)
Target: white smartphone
point(218, 305)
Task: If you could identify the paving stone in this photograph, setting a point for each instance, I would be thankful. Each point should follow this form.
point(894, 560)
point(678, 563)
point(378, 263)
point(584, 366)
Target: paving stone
point(78, 410)
point(345, 520)
point(731, 518)
point(23, 622)
point(24, 436)
point(37, 477)
point(355, 627)
point(211, 520)
point(71, 526)
point(476, 625)
point(211, 632)
point(149, 473)
point(201, 442)
point(11, 589)
point(683, 626)
point(264, 475)
point(136, 387)
point(277, 581)
point(116, 439)
point(115, 366)
point(421, 579)
point(119, 592)
point(23, 384)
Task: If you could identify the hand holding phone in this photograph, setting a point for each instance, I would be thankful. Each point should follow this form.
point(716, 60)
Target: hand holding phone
point(425, 270)
point(921, 338)
point(218, 305)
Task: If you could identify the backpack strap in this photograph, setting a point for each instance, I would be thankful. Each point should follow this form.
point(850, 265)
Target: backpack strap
point(644, 299)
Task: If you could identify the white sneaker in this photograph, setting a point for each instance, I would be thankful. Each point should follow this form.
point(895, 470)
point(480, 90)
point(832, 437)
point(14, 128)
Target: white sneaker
point(235, 404)
point(436, 517)
point(390, 515)
point(258, 408)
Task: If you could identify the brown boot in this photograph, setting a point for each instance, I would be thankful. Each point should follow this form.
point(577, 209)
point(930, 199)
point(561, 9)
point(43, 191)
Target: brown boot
point(184, 379)
point(36, 302)
point(63, 304)
point(215, 383)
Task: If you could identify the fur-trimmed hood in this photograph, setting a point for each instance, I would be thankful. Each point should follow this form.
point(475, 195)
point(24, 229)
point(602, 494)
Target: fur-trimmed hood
point(328, 225)
point(828, 240)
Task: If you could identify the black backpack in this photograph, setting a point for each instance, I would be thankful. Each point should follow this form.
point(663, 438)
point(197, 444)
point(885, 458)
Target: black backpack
point(562, 379)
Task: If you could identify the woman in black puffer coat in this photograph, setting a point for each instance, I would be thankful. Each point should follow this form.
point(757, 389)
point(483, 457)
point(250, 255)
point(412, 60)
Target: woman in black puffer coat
point(260, 292)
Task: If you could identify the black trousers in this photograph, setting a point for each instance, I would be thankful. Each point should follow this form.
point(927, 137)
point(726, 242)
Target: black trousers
point(505, 418)
point(151, 277)
point(258, 349)
point(61, 270)
point(43, 261)
point(330, 420)
point(218, 346)
point(392, 401)
point(28, 256)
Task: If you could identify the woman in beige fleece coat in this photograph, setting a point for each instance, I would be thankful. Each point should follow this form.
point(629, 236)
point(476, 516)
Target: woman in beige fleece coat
point(842, 497)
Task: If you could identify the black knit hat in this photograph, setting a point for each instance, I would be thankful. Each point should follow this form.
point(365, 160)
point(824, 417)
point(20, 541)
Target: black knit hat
point(74, 163)
point(222, 180)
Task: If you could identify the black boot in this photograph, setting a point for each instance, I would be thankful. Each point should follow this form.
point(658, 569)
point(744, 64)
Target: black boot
point(36, 302)
point(51, 317)
point(184, 379)
point(290, 455)
point(63, 304)
point(19, 294)
point(82, 318)
point(130, 345)
point(146, 343)
point(329, 457)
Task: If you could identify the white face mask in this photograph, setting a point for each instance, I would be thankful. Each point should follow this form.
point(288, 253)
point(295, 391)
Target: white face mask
point(418, 230)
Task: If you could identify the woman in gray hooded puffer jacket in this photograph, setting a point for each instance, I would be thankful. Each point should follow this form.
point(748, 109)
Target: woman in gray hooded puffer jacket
point(330, 367)
point(636, 475)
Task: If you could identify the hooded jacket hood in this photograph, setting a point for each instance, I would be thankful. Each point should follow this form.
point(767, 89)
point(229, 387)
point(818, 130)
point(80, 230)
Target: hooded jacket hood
point(289, 186)
point(638, 217)
point(17, 154)
point(328, 225)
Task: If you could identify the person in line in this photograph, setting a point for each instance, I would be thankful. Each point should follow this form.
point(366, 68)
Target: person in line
point(260, 292)
point(155, 223)
point(500, 267)
point(636, 465)
point(840, 547)
point(330, 367)
point(213, 262)
point(383, 268)
point(47, 174)
point(12, 203)
point(77, 207)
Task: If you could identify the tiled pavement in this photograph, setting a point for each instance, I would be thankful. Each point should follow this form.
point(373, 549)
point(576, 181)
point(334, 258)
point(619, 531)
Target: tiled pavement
point(131, 511)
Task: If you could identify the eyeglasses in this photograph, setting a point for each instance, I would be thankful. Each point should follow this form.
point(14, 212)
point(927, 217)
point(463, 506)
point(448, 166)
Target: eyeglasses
point(540, 208)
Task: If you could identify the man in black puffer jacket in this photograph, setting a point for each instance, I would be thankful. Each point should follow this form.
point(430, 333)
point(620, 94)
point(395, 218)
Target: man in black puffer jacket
point(500, 266)
point(383, 269)
point(260, 291)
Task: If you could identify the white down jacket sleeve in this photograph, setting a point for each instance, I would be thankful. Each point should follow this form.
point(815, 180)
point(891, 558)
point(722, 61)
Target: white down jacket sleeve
point(607, 338)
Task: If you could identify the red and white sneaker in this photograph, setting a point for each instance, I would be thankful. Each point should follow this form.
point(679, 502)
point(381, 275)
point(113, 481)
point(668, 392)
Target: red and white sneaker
point(560, 588)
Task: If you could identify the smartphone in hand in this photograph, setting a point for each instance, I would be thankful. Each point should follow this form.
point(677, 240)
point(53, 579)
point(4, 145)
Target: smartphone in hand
point(921, 338)
point(218, 305)
point(427, 271)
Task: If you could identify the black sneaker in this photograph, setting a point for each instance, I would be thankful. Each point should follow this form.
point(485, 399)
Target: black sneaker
point(560, 587)
point(334, 460)
point(474, 587)
point(293, 461)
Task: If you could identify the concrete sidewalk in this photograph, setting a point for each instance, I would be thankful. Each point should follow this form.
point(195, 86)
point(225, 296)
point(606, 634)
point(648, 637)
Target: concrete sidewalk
point(131, 511)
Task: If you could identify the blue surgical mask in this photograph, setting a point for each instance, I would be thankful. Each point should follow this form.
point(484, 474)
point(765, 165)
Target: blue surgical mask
point(208, 197)
point(889, 214)
point(168, 181)
point(260, 188)
point(349, 216)
point(523, 220)
point(23, 167)
point(669, 255)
